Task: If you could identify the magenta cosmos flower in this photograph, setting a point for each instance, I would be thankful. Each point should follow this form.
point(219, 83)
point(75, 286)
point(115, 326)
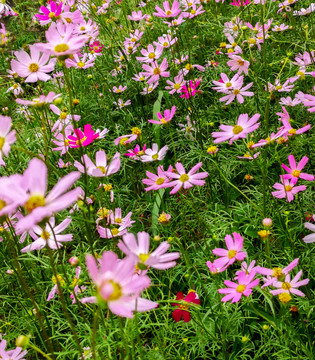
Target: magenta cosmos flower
point(233, 253)
point(33, 67)
point(190, 90)
point(29, 191)
point(50, 236)
point(243, 127)
point(244, 287)
point(156, 182)
point(50, 13)
point(183, 179)
point(62, 42)
point(82, 138)
point(118, 285)
point(101, 167)
point(166, 117)
point(182, 311)
point(158, 259)
point(294, 171)
point(287, 189)
point(7, 137)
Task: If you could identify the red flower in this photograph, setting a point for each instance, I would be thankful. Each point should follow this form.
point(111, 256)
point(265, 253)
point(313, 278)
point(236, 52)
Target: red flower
point(182, 311)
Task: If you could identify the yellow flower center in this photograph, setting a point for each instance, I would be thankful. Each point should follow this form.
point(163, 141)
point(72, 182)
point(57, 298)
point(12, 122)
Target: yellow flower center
point(143, 257)
point(118, 220)
point(151, 55)
point(61, 48)
point(193, 12)
point(2, 141)
point(292, 131)
point(80, 141)
point(168, 12)
point(162, 218)
point(115, 231)
point(3, 203)
point(165, 44)
point(231, 254)
point(277, 272)
point(237, 129)
point(60, 279)
point(236, 92)
point(156, 71)
point(102, 168)
point(81, 64)
point(33, 67)
point(51, 15)
point(68, 20)
point(263, 233)
point(286, 286)
point(234, 45)
point(184, 178)
point(240, 62)
point(45, 235)
point(103, 213)
point(278, 87)
point(252, 41)
point(235, 27)
point(240, 288)
point(188, 67)
point(33, 202)
point(212, 149)
point(288, 188)
point(176, 86)
point(82, 28)
point(296, 173)
point(159, 181)
point(63, 115)
point(123, 141)
point(107, 187)
point(228, 84)
point(117, 293)
point(136, 131)
point(155, 156)
point(223, 45)
point(285, 297)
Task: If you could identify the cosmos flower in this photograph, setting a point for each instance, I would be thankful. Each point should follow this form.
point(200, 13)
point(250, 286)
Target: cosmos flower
point(154, 154)
point(294, 171)
point(167, 11)
point(150, 54)
point(190, 90)
point(50, 13)
point(166, 117)
point(243, 127)
point(311, 237)
point(118, 285)
point(181, 179)
point(101, 167)
point(289, 286)
point(7, 137)
point(158, 259)
point(82, 138)
point(156, 182)
point(155, 71)
point(287, 189)
point(182, 311)
point(79, 63)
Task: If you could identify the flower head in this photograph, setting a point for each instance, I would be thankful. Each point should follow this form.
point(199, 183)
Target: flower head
point(182, 311)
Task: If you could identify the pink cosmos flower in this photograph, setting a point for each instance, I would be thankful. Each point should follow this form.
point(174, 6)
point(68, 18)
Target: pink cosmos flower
point(33, 67)
point(289, 130)
point(294, 173)
point(309, 101)
point(177, 85)
point(158, 181)
point(182, 311)
point(239, 3)
point(150, 54)
point(214, 269)
point(237, 63)
point(285, 87)
point(154, 154)
point(155, 71)
point(100, 168)
point(243, 127)
point(246, 268)
point(183, 179)
point(188, 128)
point(7, 137)
point(16, 354)
point(71, 17)
point(79, 63)
point(193, 12)
point(280, 28)
point(50, 236)
point(41, 101)
point(270, 139)
point(289, 102)
point(82, 138)
point(248, 156)
point(287, 189)
point(225, 85)
point(190, 90)
point(50, 13)
point(236, 290)
point(96, 48)
point(289, 286)
point(149, 88)
point(276, 273)
point(136, 16)
point(64, 120)
point(118, 285)
point(165, 41)
point(16, 89)
point(61, 41)
point(115, 226)
point(121, 104)
point(62, 140)
point(29, 191)
point(238, 92)
point(158, 259)
point(136, 153)
point(119, 89)
point(234, 252)
point(311, 237)
point(166, 117)
point(168, 12)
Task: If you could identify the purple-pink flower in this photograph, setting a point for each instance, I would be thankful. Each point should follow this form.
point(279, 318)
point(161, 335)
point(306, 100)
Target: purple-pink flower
point(166, 117)
point(295, 170)
point(287, 189)
point(7, 137)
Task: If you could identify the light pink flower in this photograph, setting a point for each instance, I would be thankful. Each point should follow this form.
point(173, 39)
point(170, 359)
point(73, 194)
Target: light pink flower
point(118, 285)
point(244, 287)
point(41, 101)
point(237, 63)
point(168, 12)
point(309, 101)
point(311, 237)
point(136, 16)
point(287, 189)
point(154, 154)
point(155, 71)
point(64, 120)
point(165, 41)
point(234, 251)
point(193, 12)
point(243, 127)
point(150, 54)
point(289, 286)
point(177, 85)
point(33, 67)
point(100, 168)
point(136, 153)
point(183, 179)
point(158, 181)
point(16, 89)
point(294, 171)
point(29, 191)
point(7, 137)
point(158, 259)
point(121, 104)
point(49, 236)
point(79, 63)
point(165, 118)
point(289, 130)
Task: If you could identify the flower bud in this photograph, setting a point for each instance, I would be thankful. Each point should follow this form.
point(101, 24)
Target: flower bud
point(74, 261)
point(267, 222)
point(22, 341)
point(76, 102)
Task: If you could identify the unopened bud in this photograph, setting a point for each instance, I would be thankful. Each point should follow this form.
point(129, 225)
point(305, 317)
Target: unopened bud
point(74, 261)
point(267, 222)
point(22, 341)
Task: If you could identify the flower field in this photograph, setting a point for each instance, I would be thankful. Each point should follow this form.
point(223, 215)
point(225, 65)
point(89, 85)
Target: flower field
point(157, 179)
